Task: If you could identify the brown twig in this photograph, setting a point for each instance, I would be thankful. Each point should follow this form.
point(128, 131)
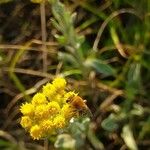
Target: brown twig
point(43, 30)
point(108, 101)
point(29, 72)
point(7, 136)
point(45, 144)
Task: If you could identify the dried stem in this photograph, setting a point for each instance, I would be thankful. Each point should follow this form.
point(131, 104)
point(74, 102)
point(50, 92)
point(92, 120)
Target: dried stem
point(45, 144)
point(43, 29)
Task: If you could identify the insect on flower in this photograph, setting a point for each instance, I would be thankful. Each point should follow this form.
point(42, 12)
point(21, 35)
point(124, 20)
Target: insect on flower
point(52, 109)
point(79, 105)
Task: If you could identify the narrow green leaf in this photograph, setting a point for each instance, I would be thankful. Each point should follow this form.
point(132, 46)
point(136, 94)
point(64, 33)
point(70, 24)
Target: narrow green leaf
point(4, 143)
point(128, 138)
point(100, 66)
point(68, 58)
point(65, 141)
point(71, 72)
point(61, 39)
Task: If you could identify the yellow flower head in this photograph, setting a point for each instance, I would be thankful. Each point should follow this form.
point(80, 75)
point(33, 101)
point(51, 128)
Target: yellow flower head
point(27, 109)
point(53, 107)
point(41, 112)
point(59, 98)
point(59, 83)
point(36, 132)
point(59, 121)
point(47, 126)
point(26, 122)
point(39, 98)
point(49, 91)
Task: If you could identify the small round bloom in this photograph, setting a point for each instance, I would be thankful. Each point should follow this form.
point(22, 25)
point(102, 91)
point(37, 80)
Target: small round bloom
point(39, 98)
point(53, 107)
point(59, 83)
point(36, 132)
point(49, 91)
point(59, 121)
point(47, 126)
point(41, 112)
point(27, 109)
point(26, 122)
point(59, 99)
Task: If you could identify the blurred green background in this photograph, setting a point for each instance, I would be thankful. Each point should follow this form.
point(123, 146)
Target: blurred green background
point(101, 47)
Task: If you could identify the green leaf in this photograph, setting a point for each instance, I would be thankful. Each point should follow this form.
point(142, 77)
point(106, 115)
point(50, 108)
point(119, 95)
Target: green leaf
point(134, 74)
point(71, 72)
point(68, 58)
point(145, 129)
point(97, 144)
point(4, 143)
point(110, 123)
point(128, 138)
point(61, 39)
point(100, 66)
point(137, 110)
point(7, 145)
point(133, 81)
point(78, 128)
point(65, 141)
point(55, 24)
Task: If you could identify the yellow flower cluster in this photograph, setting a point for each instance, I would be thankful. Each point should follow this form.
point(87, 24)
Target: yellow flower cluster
point(48, 112)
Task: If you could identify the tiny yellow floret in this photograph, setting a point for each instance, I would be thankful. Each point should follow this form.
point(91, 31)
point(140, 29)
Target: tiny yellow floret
point(53, 107)
point(39, 98)
point(26, 122)
point(36, 132)
point(59, 83)
point(59, 121)
point(27, 109)
point(41, 112)
point(49, 91)
point(47, 126)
